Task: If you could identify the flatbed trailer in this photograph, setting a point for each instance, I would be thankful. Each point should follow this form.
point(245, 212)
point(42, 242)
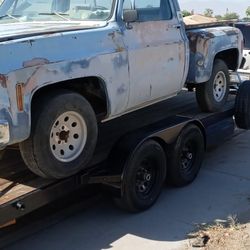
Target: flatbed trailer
point(22, 192)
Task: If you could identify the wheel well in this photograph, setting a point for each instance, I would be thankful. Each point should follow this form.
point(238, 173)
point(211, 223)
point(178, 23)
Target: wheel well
point(161, 142)
point(202, 129)
point(230, 57)
point(165, 145)
point(92, 88)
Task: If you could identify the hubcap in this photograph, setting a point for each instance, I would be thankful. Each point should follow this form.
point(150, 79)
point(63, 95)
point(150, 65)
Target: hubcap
point(144, 179)
point(219, 86)
point(68, 136)
point(187, 158)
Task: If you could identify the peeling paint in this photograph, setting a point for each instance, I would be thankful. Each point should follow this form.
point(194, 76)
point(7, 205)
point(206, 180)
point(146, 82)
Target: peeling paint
point(120, 61)
point(35, 62)
point(116, 38)
point(205, 43)
point(3, 81)
point(122, 89)
point(137, 67)
point(69, 67)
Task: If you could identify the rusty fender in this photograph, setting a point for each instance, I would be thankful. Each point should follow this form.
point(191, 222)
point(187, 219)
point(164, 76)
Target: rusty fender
point(205, 44)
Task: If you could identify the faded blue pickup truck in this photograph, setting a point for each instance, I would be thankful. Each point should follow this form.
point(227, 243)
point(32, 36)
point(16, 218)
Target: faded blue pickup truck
point(66, 64)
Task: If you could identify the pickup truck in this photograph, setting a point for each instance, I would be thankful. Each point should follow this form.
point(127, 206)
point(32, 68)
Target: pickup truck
point(68, 64)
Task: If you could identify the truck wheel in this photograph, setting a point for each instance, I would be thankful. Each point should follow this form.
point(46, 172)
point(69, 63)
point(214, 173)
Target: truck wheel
point(143, 176)
point(186, 156)
point(212, 95)
point(242, 106)
point(63, 136)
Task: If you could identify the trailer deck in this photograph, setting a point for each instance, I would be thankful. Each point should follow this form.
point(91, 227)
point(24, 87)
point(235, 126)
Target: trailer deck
point(22, 192)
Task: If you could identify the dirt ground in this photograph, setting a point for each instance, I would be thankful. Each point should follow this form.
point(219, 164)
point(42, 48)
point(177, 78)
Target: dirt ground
point(222, 235)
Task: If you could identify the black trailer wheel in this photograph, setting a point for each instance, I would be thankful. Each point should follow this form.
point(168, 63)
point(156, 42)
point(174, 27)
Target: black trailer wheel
point(185, 157)
point(212, 95)
point(242, 106)
point(143, 177)
point(63, 135)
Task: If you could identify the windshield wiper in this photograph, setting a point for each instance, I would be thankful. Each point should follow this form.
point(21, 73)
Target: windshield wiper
point(55, 14)
point(8, 15)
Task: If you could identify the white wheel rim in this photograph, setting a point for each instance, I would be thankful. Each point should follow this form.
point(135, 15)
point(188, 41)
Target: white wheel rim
point(219, 86)
point(68, 136)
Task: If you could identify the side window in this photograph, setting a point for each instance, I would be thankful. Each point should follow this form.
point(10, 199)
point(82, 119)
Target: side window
point(142, 4)
point(127, 5)
point(153, 10)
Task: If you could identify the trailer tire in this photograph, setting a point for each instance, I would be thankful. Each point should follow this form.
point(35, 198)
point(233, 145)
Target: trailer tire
point(212, 95)
point(143, 177)
point(185, 156)
point(242, 106)
point(63, 135)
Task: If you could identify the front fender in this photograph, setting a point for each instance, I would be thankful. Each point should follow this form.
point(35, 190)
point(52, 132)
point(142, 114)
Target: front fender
point(46, 60)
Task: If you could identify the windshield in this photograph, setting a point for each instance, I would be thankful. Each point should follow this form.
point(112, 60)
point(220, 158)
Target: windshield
point(54, 10)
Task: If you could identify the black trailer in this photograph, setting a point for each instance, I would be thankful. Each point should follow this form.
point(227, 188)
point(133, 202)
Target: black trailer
point(136, 153)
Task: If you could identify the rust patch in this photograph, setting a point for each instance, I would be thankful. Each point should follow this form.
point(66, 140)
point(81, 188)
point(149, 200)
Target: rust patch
point(3, 81)
point(119, 48)
point(35, 62)
point(181, 53)
point(199, 40)
point(31, 82)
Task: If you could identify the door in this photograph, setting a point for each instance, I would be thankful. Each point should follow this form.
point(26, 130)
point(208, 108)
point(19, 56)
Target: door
point(156, 52)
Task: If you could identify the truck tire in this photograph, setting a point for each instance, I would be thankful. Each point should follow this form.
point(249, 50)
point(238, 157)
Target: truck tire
point(242, 106)
point(143, 177)
point(212, 95)
point(186, 156)
point(63, 135)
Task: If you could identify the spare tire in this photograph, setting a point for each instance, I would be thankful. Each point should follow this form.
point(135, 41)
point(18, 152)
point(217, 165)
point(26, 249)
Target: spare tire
point(242, 106)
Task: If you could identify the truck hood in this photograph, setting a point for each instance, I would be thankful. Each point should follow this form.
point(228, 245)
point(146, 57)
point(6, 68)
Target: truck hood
point(12, 31)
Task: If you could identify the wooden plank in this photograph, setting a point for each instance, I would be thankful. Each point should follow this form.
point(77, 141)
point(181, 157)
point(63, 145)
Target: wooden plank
point(10, 223)
point(15, 178)
point(18, 190)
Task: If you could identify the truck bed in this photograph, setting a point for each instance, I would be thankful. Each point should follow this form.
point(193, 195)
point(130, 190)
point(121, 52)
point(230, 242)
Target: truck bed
point(207, 25)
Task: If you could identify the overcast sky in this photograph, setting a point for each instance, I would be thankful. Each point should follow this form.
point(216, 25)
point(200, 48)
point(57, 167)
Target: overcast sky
point(219, 6)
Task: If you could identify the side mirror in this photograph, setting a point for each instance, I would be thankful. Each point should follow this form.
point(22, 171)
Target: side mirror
point(130, 16)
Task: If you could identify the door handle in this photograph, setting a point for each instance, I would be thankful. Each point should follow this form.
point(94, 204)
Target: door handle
point(176, 26)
